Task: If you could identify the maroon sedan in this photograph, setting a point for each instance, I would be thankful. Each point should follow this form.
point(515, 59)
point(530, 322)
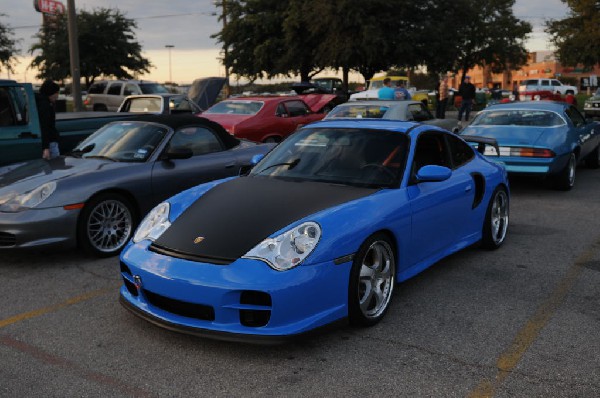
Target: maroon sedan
point(268, 118)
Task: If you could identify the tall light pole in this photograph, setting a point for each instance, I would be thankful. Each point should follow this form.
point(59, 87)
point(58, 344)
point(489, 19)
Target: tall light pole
point(74, 56)
point(169, 47)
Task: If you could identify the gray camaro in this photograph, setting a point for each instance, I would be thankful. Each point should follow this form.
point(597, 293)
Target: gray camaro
point(408, 110)
point(96, 195)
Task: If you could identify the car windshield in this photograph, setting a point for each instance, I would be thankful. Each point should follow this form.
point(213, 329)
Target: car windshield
point(153, 88)
point(122, 142)
point(144, 105)
point(371, 111)
point(507, 117)
point(236, 107)
point(349, 156)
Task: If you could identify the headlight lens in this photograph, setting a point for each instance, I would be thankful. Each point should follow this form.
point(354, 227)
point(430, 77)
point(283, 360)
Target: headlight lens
point(154, 224)
point(27, 200)
point(288, 249)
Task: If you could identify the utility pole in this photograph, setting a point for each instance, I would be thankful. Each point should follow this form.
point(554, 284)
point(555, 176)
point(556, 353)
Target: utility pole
point(227, 89)
point(74, 57)
point(169, 47)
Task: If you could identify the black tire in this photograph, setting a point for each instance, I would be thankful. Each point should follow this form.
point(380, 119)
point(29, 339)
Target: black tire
point(106, 224)
point(273, 139)
point(495, 225)
point(593, 159)
point(364, 308)
point(565, 179)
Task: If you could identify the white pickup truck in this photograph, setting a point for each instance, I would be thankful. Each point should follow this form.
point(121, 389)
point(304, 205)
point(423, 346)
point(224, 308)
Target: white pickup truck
point(547, 85)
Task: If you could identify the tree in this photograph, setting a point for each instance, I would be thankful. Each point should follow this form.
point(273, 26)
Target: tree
point(485, 32)
point(114, 52)
point(8, 48)
point(577, 37)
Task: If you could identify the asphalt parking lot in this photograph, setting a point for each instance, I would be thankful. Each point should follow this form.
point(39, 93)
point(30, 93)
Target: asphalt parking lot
point(520, 321)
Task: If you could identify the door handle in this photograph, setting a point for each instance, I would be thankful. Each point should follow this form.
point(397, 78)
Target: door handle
point(28, 134)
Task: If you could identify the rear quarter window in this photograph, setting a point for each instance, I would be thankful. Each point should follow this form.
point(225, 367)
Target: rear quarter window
point(97, 88)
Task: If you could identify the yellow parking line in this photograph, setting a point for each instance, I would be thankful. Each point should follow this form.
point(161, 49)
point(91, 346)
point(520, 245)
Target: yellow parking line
point(52, 308)
point(509, 359)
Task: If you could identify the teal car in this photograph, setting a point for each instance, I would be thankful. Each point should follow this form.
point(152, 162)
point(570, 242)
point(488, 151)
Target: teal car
point(541, 138)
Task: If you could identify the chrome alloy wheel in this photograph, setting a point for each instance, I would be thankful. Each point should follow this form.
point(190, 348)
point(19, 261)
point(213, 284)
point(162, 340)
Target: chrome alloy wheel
point(571, 169)
point(499, 217)
point(109, 226)
point(376, 281)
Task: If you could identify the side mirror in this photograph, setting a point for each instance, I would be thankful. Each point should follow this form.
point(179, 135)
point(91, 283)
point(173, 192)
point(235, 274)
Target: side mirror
point(245, 169)
point(177, 153)
point(433, 173)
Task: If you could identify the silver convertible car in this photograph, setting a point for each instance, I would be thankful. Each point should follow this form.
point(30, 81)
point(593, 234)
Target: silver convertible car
point(96, 195)
point(412, 111)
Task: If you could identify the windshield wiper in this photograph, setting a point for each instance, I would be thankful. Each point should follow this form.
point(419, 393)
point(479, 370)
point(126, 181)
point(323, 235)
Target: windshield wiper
point(290, 165)
point(101, 157)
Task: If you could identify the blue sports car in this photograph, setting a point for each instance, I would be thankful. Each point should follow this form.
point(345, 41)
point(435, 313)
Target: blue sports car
point(540, 138)
point(320, 230)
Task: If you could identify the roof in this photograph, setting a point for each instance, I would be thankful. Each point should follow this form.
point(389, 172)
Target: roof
point(532, 105)
point(392, 78)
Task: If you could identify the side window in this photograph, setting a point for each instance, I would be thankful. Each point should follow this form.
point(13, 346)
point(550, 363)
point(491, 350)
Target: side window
point(296, 108)
point(545, 82)
point(431, 149)
point(97, 88)
point(575, 116)
point(7, 114)
point(199, 139)
point(130, 89)
point(555, 82)
point(114, 89)
point(281, 111)
point(460, 152)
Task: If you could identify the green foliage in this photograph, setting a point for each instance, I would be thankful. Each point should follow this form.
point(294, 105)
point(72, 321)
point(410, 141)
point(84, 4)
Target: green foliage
point(577, 37)
point(107, 47)
point(8, 48)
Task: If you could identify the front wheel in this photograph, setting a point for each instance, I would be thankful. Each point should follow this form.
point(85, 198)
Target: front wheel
point(106, 224)
point(495, 225)
point(372, 280)
point(565, 180)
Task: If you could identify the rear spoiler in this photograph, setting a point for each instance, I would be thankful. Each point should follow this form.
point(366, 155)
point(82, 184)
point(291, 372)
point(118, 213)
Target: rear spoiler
point(482, 142)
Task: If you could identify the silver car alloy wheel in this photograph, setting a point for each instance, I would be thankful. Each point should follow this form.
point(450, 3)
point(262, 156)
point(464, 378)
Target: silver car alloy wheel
point(109, 226)
point(376, 279)
point(499, 216)
point(572, 166)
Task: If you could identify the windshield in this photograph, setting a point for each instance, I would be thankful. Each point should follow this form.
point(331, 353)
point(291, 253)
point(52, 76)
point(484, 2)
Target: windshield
point(139, 105)
point(122, 142)
point(153, 88)
point(236, 107)
point(349, 156)
point(358, 111)
point(507, 117)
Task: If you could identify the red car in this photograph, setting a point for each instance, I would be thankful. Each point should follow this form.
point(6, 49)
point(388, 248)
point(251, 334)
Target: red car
point(268, 118)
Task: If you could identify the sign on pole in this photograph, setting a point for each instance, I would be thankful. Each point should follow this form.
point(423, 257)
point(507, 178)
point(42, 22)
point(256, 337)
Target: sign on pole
point(50, 7)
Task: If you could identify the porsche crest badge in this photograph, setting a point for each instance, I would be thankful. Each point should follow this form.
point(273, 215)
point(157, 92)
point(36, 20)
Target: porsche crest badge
point(198, 239)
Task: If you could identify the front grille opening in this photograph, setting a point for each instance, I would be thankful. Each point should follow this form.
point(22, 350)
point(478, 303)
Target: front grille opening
point(7, 240)
point(254, 297)
point(255, 318)
point(183, 308)
point(130, 287)
point(125, 269)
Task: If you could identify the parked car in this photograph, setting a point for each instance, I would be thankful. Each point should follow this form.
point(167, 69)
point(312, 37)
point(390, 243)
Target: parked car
point(591, 107)
point(20, 133)
point(107, 95)
point(267, 118)
point(95, 196)
point(320, 230)
point(540, 138)
point(392, 110)
point(552, 85)
point(372, 91)
point(161, 104)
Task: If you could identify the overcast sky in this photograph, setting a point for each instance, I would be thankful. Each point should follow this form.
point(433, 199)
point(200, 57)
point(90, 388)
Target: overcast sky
point(188, 26)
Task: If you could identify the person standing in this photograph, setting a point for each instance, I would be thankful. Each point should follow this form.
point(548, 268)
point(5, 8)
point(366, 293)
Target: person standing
point(386, 92)
point(467, 92)
point(400, 92)
point(45, 102)
point(440, 109)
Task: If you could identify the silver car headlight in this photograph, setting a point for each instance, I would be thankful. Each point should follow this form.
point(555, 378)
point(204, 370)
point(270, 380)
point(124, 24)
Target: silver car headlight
point(288, 249)
point(28, 200)
point(154, 224)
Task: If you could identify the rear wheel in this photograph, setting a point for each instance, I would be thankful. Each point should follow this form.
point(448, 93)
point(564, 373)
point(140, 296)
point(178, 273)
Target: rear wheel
point(565, 180)
point(495, 225)
point(106, 224)
point(273, 139)
point(372, 280)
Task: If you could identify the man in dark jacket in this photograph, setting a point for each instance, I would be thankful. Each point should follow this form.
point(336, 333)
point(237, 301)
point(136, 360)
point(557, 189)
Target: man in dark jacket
point(45, 102)
point(467, 92)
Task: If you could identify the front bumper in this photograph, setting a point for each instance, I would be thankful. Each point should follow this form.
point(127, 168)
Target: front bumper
point(38, 228)
point(245, 300)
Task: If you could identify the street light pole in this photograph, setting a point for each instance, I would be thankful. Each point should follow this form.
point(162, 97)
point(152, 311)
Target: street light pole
point(169, 47)
point(74, 56)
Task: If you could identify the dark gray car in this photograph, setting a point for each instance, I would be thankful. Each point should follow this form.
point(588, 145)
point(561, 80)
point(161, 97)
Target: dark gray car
point(95, 196)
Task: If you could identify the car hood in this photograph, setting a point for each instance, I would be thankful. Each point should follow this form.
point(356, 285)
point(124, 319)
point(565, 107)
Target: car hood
point(204, 92)
point(316, 102)
point(510, 136)
point(233, 217)
point(23, 177)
